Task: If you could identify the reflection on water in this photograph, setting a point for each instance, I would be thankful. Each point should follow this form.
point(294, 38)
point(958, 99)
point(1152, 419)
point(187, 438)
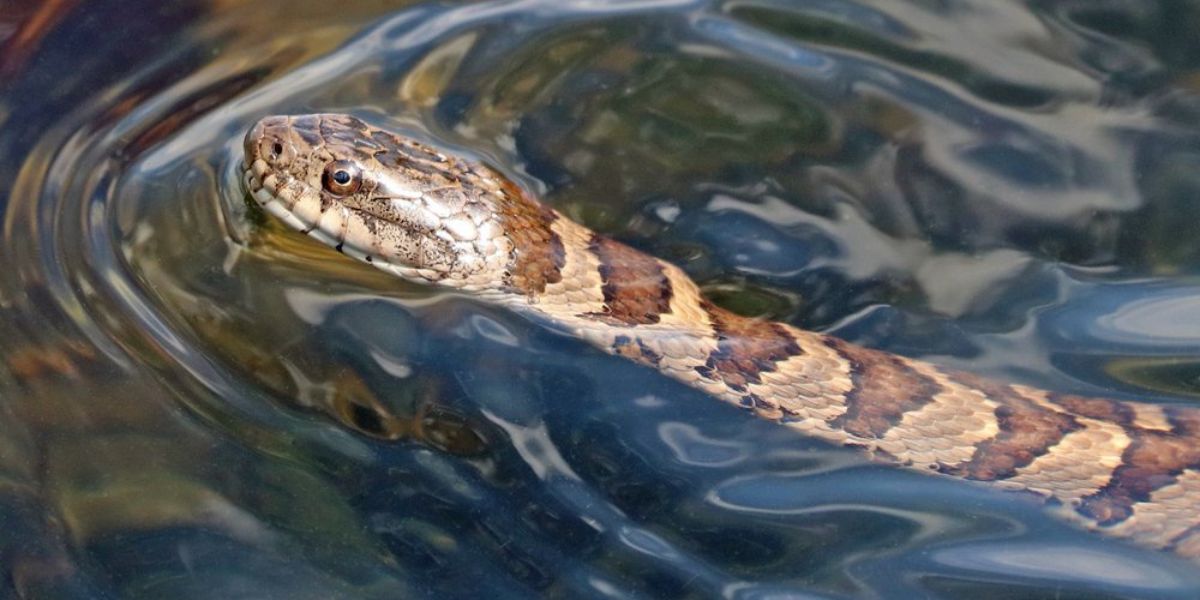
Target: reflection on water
point(199, 403)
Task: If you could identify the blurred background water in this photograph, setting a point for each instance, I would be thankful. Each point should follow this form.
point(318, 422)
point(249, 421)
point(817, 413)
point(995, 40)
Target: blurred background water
point(197, 403)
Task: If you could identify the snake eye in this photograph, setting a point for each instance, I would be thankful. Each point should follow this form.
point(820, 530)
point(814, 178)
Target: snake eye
point(341, 177)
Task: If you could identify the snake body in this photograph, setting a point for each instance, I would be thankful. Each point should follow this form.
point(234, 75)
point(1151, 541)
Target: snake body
point(1128, 469)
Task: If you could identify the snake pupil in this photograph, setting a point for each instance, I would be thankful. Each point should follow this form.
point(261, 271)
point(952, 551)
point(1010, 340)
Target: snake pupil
point(341, 177)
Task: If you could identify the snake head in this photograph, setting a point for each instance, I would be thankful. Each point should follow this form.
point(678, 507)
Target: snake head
point(383, 198)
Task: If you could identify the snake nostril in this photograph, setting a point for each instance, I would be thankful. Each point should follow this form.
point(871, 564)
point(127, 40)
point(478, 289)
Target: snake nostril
point(252, 143)
point(276, 150)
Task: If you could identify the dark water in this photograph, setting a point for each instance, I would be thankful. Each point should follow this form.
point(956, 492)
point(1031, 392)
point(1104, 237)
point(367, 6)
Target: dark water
point(196, 403)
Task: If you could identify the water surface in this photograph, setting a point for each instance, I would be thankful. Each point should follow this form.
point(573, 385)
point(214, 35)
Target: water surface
point(198, 403)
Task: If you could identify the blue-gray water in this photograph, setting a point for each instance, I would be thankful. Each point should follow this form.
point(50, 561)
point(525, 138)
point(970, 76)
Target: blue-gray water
point(197, 403)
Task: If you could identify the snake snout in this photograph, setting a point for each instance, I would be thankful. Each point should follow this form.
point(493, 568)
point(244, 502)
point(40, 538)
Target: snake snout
point(250, 143)
point(270, 140)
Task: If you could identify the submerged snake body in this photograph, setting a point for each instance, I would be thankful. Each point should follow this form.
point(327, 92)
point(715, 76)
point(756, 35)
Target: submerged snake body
point(1126, 468)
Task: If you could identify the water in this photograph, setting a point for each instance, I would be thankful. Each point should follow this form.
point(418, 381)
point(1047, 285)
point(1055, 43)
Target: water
point(197, 403)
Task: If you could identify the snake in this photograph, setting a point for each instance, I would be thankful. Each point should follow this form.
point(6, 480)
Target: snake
point(1124, 468)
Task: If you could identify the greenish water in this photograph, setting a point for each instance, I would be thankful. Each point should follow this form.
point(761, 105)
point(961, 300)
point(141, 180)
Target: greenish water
point(197, 403)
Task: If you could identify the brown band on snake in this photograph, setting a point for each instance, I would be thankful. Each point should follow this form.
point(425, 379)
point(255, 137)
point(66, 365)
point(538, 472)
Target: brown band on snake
point(746, 348)
point(1027, 431)
point(1153, 461)
point(1095, 408)
point(1124, 468)
point(885, 388)
point(538, 255)
point(636, 291)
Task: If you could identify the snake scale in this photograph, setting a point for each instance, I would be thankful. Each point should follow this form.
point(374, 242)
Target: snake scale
point(1128, 469)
